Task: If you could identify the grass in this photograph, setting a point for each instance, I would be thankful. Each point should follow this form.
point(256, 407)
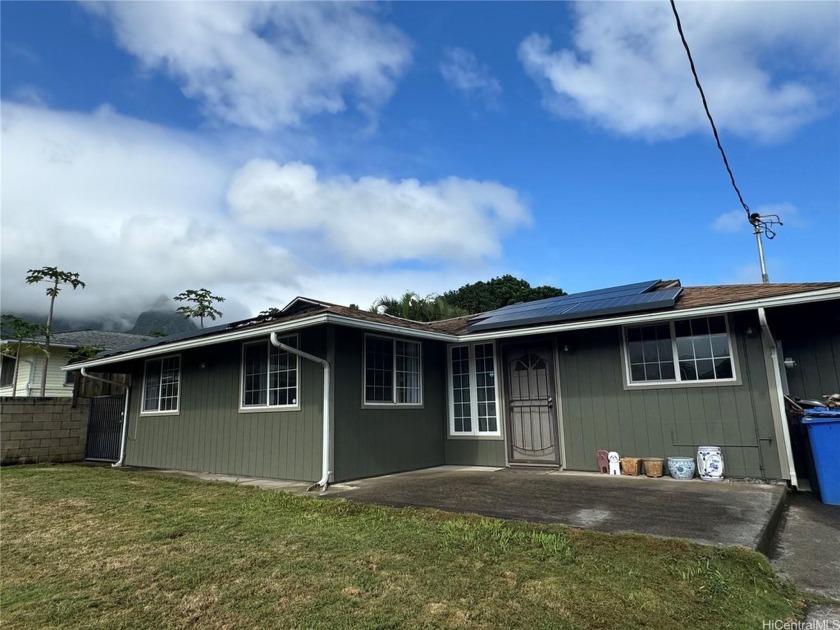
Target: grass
point(99, 548)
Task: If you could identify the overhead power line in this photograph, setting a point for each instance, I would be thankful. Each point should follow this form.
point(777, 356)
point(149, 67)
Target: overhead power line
point(761, 224)
point(708, 113)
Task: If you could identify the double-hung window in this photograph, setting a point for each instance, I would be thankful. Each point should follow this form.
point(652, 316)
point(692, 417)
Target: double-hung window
point(7, 371)
point(393, 371)
point(473, 403)
point(685, 351)
point(269, 375)
point(162, 385)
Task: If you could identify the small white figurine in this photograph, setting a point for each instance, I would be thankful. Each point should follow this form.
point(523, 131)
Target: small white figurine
point(613, 458)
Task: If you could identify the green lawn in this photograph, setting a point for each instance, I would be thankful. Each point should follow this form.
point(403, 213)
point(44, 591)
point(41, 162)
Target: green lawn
point(95, 547)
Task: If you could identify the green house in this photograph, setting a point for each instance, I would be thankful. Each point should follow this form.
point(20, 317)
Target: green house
point(325, 393)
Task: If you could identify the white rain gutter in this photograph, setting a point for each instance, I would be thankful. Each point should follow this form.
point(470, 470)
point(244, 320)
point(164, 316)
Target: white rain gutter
point(124, 431)
point(323, 483)
point(30, 376)
point(777, 400)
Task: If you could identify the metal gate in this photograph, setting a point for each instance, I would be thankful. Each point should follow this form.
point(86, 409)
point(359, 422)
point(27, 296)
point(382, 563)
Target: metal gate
point(532, 422)
point(104, 428)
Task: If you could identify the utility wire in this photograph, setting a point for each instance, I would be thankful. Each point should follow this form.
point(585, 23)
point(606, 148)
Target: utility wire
point(709, 114)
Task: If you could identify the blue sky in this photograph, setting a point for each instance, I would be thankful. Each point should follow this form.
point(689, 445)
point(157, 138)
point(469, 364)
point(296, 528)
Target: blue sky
point(353, 150)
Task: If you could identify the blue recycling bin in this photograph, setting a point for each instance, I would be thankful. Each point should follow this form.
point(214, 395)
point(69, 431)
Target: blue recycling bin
point(824, 432)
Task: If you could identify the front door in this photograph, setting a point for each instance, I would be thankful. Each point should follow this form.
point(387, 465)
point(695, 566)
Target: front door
point(532, 421)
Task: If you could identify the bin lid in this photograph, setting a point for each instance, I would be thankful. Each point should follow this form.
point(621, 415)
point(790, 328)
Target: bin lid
point(821, 415)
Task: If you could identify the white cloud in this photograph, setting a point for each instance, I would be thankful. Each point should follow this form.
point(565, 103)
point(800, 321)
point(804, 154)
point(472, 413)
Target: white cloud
point(736, 220)
point(137, 210)
point(629, 73)
point(265, 64)
point(374, 221)
point(30, 95)
point(462, 71)
point(732, 221)
point(141, 211)
point(364, 287)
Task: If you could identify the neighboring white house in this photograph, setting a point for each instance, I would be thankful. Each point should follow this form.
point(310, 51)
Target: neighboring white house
point(30, 363)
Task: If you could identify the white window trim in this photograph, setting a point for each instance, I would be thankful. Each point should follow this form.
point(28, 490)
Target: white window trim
point(625, 359)
point(165, 412)
point(392, 403)
point(474, 433)
point(266, 407)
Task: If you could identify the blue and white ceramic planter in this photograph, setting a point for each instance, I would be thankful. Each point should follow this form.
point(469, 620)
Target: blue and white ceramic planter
point(681, 467)
point(710, 463)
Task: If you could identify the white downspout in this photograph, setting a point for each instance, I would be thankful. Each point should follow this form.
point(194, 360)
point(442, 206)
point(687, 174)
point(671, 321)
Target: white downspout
point(124, 431)
point(30, 376)
point(778, 402)
point(324, 482)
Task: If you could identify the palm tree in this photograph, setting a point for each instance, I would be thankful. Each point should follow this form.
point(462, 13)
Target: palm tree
point(411, 306)
point(54, 276)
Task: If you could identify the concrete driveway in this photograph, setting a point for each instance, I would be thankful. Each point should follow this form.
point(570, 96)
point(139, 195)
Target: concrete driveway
point(709, 513)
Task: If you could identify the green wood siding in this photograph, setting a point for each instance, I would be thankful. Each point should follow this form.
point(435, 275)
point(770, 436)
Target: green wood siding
point(810, 335)
point(466, 452)
point(371, 442)
point(598, 412)
point(211, 435)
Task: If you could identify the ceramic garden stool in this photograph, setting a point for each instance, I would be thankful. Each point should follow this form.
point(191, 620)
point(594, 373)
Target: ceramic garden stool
point(681, 467)
point(710, 463)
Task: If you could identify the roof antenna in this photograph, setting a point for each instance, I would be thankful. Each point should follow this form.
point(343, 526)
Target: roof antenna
point(762, 224)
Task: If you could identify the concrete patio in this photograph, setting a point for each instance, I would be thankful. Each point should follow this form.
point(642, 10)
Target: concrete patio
point(709, 513)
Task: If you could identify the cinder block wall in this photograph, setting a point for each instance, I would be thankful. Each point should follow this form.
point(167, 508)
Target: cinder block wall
point(42, 430)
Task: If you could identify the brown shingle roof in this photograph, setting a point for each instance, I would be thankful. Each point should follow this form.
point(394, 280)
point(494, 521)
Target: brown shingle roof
point(695, 297)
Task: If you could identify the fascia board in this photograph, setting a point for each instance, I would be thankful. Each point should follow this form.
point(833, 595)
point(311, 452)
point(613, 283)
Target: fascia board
point(391, 329)
point(187, 344)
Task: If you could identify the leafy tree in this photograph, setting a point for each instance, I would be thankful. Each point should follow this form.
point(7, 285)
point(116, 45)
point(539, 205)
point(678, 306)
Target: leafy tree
point(202, 301)
point(80, 353)
point(157, 334)
point(411, 306)
point(479, 297)
point(21, 331)
point(270, 312)
point(55, 277)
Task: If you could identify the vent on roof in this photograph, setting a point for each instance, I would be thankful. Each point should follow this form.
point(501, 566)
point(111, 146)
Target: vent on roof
point(629, 298)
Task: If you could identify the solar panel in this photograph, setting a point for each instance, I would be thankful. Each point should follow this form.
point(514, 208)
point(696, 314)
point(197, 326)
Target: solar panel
point(585, 296)
point(627, 299)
